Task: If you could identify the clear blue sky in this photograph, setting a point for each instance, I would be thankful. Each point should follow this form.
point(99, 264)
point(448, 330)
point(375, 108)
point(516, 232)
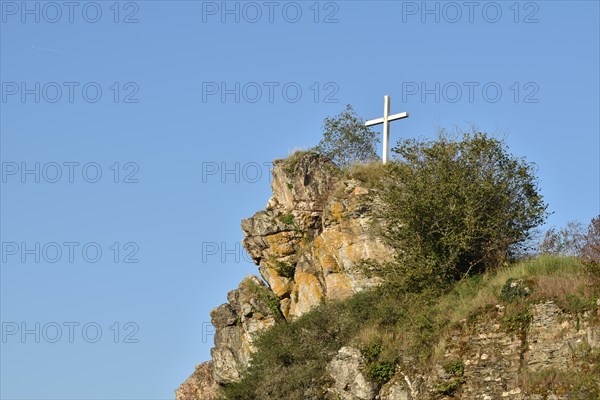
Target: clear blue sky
point(173, 134)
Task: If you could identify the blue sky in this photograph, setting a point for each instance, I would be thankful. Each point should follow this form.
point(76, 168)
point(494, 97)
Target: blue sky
point(135, 136)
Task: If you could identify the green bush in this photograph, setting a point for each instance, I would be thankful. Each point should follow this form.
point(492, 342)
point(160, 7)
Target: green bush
point(372, 352)
point(456, 207)
point(517, 317)
point(381, 371)
point(450, 386)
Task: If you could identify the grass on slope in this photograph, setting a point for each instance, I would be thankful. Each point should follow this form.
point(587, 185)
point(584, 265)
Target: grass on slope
point(393, 326)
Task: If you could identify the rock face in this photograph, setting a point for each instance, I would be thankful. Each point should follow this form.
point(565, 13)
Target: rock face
point(313, 235)
point(347, 371)
point(308, 244)
point(249, 310)
point(200, 385)
point(235, 322)
point(497, 360)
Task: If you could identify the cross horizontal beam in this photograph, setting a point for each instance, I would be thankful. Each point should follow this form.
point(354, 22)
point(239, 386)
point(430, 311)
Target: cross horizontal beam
point(387, 118)
point(390, 118)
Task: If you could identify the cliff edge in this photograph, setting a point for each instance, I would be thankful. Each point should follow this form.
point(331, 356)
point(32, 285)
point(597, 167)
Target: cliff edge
point(310, 244)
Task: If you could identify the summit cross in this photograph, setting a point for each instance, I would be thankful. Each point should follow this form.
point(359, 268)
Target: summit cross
point(387, 118)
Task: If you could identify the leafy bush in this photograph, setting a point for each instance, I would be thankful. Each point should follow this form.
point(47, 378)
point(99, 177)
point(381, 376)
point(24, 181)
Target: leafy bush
point(449, 387)
point(381, 371)
point(347, 140)
point(455, 367)
point(456, 207)
point(372, 352)
point(517, 317)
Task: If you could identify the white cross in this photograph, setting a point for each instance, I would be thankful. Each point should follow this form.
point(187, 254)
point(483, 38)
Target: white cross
point(387, 118)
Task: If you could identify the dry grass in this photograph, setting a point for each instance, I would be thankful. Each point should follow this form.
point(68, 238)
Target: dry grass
point(367, 173)
point(563, 280)
point(405, 327)
point(576, 385)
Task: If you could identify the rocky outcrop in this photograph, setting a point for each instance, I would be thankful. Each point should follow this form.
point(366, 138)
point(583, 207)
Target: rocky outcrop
point(347, 372)
point(248, 311)
point(311, 239)
point(485, 359)
point(200, 385)
point(308, 243)
point(496, 360)
point(251, 308)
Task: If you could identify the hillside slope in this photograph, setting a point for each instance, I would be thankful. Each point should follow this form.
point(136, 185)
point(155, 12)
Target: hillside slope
point(332, 329)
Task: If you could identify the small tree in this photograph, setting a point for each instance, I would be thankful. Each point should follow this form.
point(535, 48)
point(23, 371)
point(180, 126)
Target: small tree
point(455, 207)
point(590, 251)
point(574, 240)
point(567, 241)
point(346, 139)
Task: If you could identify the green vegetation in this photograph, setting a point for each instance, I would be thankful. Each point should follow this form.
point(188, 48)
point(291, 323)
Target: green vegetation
point(579, 385)
point(514, 289)
point(458, 212)
point(287, 219)
point(574, 241)
point(454, 207)
point(456, 370)
point(265, 296)
point(284, 269)
point(456, 367)
point(448, 387)
point(381, 371)
point(346, 139)
point(291, 162)
point(391, 325)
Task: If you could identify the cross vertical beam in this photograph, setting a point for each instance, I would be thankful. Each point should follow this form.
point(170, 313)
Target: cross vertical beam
point(387, 118)
point(386, 127)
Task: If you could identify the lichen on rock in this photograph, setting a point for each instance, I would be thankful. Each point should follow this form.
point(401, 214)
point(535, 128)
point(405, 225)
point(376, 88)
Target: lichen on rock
point(317, 225)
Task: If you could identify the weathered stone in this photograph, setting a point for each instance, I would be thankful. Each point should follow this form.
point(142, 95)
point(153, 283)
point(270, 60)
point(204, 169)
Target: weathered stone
point(200, 385)
point(307, 294)
point(236, 323)
point(320, 225)
point(346, 370)
point(280, 285)
point(496, 357)
point(401, 387)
